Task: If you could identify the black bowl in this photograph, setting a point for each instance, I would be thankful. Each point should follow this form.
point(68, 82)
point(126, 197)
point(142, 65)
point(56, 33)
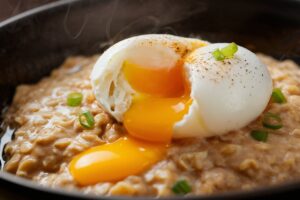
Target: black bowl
point(33, 43)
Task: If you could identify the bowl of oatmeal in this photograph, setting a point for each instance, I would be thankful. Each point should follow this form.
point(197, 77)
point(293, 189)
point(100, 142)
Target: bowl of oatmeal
point(102, 102)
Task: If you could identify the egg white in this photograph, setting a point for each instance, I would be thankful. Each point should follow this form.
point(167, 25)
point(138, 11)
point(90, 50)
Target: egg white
point(227, 95)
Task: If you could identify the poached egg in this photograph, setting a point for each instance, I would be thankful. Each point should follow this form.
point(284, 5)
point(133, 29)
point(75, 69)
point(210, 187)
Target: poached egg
point(140, 81)
point(162, 87)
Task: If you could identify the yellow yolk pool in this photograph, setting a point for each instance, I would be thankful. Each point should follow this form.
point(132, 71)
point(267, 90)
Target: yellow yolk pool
point(163, 101)
point(115, 161)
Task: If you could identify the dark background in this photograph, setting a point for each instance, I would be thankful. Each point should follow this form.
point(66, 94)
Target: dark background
point(9, 8)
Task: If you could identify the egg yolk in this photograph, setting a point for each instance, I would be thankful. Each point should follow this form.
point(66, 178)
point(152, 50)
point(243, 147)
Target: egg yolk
point(156, 81)
point(152, 119)
point(115, 161)
point(162, 101)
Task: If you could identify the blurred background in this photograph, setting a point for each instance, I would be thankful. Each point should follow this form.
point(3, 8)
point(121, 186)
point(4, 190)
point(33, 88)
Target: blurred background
point(9, 8)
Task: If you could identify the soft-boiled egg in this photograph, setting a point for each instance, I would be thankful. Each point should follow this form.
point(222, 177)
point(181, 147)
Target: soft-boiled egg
point(162, 87)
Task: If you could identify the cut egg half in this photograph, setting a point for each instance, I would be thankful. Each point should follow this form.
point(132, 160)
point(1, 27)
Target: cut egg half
point(149, 90)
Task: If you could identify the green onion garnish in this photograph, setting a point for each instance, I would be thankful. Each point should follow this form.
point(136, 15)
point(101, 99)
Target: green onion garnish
point(218, 55)
point(272, 121)
point(181, 187)
point(226, 52)
point(259, 135)
point(277, 96)
point(74, 99)
point(86, 119)
point(229, 50)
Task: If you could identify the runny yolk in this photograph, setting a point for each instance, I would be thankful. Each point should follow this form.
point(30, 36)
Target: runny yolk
point(158, 81)
point(115, 161)
point(152, 119)
point(163, 101)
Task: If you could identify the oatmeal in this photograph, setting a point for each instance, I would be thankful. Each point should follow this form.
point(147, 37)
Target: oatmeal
point(49, 135)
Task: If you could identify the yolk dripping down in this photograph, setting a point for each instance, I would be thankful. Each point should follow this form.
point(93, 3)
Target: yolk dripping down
point(115, 161)
point(152, 119)
point(163, 101)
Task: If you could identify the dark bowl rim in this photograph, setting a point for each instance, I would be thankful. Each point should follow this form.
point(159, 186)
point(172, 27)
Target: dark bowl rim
point(19, 181)
point(255, 193)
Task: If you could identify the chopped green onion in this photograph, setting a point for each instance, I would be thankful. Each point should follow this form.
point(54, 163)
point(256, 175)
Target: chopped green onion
point(259, 135)
point(218, 55)
point(74, 99)
point(86, 119)
point(278, 96)
point(226, 52)
point(229, 50)
point(181, 187)
point(272, 121)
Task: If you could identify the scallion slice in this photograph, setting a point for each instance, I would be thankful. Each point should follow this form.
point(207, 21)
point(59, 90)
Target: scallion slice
point(74, 99)
point(272, 121)
point(259, 135)
point(218, 55)
point(86, 119)
point(229, 50)
point(277, 96)
point(225, 52)
point(181, 187)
